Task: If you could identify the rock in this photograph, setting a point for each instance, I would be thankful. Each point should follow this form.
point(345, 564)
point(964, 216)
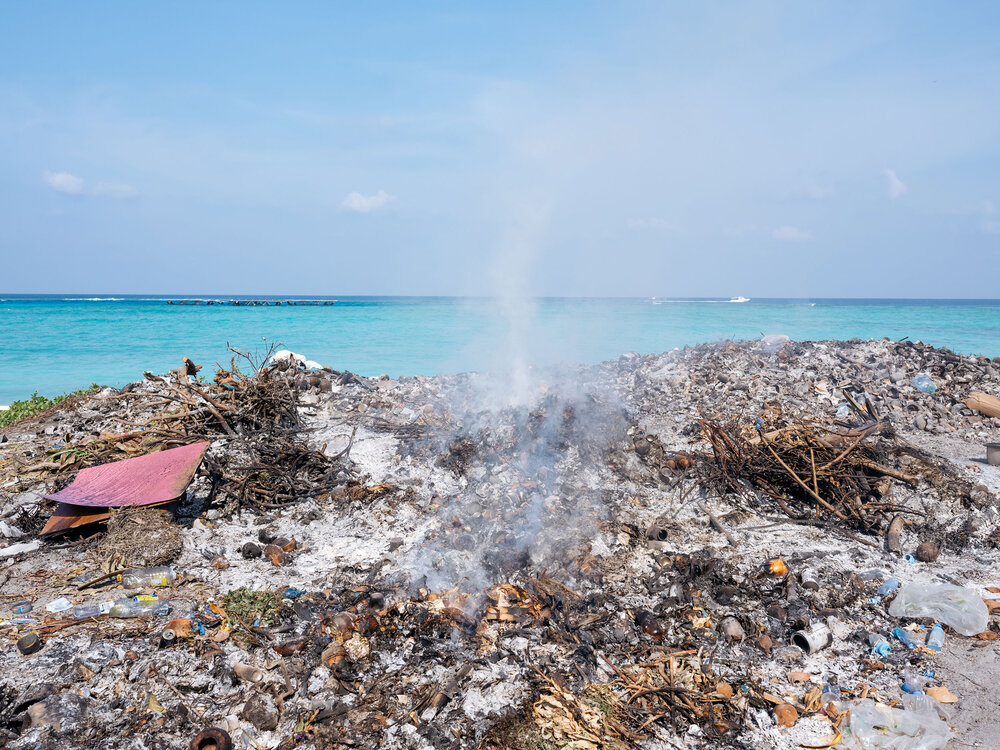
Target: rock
point(980, 496)
point(62, 711)
point(731, 629)
point(927, 552)
point(261, 711)
point(101, 655)
point(920, 422)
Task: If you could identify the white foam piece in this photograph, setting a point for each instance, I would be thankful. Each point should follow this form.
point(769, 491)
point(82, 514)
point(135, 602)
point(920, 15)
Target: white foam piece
point(285, 354)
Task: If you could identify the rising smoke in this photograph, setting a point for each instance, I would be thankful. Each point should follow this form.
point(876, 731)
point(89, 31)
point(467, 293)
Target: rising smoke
point(527, 448)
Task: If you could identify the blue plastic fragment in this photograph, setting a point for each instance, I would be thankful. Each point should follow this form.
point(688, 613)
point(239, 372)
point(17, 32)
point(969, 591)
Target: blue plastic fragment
point(292, 593)
point(888, 587)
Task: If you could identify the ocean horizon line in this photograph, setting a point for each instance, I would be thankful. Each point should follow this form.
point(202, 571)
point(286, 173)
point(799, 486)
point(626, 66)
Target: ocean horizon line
point(123, 296)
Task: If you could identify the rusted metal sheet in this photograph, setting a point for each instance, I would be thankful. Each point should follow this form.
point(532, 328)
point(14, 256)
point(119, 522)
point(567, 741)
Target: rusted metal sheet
point(145, 480)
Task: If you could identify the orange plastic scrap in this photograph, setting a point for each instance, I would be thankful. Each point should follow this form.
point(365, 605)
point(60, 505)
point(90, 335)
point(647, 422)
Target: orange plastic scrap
point(153, 479)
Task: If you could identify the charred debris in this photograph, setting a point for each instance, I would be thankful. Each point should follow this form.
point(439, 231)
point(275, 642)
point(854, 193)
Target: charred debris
point(636, 554)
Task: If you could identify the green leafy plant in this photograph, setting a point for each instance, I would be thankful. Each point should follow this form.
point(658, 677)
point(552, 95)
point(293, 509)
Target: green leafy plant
point(251, 607)
point(20, 410)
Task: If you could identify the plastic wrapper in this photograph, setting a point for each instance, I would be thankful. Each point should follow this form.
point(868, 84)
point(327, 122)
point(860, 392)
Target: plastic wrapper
point(919, 725)
point(960, 608)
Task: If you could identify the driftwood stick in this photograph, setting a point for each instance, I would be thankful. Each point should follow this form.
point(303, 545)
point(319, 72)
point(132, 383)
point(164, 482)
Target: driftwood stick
point(718, 526)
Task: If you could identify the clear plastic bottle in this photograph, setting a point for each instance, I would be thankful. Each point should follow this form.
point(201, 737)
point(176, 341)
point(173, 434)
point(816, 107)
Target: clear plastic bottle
point(135, 578)
point(935, 641)
point(139, 606)
point(92, 609)
point(135, 606)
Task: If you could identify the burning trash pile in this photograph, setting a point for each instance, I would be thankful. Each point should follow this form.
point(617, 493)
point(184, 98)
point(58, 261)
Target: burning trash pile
point(735, 545)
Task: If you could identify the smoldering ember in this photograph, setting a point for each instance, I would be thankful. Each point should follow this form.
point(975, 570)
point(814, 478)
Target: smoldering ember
point(771, 544)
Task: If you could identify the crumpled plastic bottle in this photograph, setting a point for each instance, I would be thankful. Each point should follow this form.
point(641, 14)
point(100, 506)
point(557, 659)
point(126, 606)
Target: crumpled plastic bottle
point(959, 607)
point(920, 725)
point(923, 383)
point(914, 682)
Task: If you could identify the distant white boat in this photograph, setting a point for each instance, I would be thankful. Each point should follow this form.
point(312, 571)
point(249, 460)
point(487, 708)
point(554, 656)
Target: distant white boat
point(739, 299)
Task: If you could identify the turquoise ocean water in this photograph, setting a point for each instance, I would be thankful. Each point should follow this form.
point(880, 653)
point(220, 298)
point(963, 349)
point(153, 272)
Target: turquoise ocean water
point(57, 343)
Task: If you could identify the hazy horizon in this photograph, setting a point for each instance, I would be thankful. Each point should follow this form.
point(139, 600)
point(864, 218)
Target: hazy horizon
point(110, 296)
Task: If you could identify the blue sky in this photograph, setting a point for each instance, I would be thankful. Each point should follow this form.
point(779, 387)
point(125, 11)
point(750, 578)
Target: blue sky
point(670, 149)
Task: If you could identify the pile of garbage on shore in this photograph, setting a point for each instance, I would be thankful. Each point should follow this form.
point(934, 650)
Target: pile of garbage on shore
point(759, 544)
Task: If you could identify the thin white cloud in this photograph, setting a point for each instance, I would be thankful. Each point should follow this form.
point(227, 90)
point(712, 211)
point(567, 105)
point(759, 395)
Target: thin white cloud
point(896, 186)
point(652, 222)
point(113, 190)
point(991, 227)
point(366, 204)
point(791, 234)
point(64, 182)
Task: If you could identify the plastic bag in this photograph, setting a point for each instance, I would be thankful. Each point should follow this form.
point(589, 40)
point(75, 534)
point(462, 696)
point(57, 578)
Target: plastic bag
point(961, 608)
point(774, 342)
point(919, 725)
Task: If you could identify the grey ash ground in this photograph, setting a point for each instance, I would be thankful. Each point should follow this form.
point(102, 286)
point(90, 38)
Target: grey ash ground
point(477, 565)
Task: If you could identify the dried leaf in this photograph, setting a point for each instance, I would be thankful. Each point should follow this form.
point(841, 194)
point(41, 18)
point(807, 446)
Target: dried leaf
point(812, 700)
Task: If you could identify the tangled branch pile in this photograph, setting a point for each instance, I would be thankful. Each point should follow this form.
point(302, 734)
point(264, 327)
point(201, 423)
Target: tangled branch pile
point(810, 470)
point(251, 415)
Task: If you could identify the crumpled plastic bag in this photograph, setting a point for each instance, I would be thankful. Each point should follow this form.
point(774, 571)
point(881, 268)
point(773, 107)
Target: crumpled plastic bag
point(960, 608)
point(919, 725)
